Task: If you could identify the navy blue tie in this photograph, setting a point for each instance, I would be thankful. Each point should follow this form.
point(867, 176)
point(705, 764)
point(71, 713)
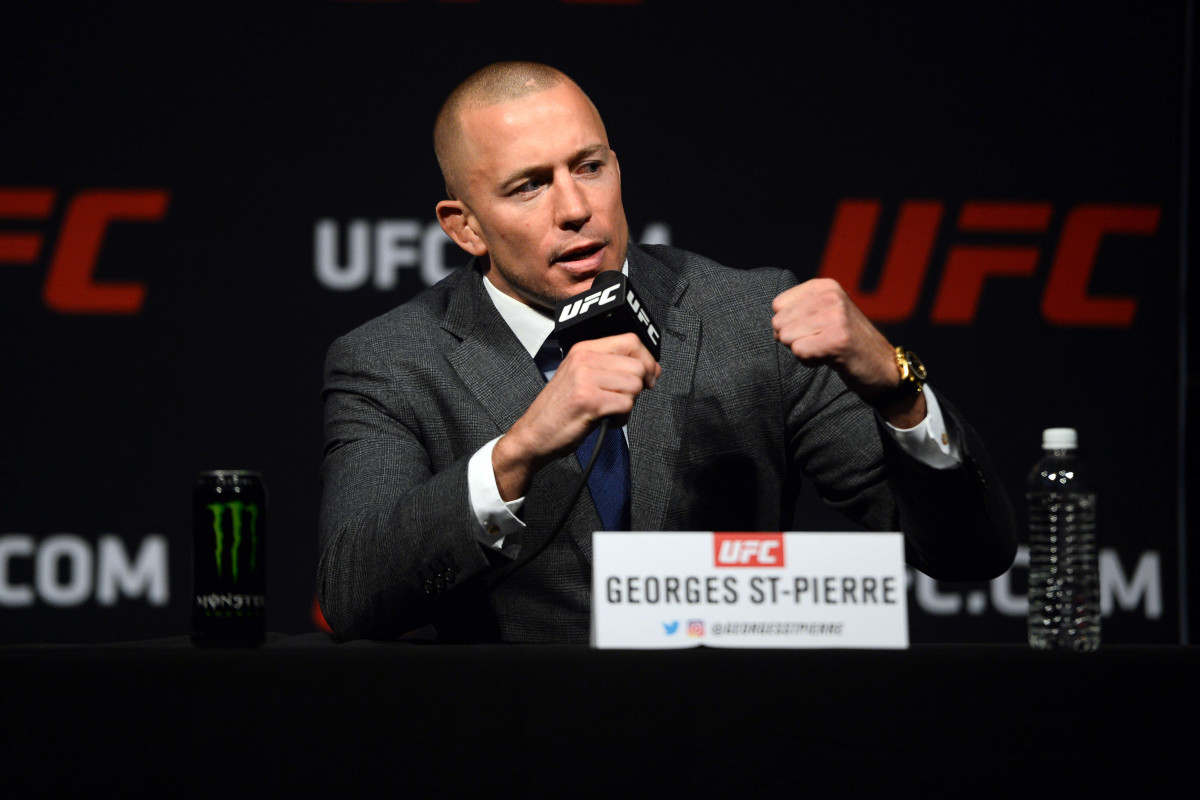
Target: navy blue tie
point(609, 481)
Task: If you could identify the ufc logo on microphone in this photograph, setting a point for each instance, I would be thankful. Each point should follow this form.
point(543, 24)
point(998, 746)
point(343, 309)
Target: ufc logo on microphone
point(593, 299)
point(644, 318)
point(748, 549)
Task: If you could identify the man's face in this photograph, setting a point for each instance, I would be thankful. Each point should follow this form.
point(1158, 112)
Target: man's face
point(540, 195)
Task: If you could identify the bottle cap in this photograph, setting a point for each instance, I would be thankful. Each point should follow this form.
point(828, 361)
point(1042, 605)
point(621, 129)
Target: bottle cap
point(1059, 439)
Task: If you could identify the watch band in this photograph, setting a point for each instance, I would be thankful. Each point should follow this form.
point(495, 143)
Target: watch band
point(912, 380)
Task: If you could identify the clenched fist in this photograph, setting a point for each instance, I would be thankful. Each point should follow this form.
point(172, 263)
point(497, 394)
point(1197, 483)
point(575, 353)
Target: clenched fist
point(821, 326)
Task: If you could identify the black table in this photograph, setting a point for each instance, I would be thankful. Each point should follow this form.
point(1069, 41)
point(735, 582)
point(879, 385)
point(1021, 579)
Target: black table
point(304, 717)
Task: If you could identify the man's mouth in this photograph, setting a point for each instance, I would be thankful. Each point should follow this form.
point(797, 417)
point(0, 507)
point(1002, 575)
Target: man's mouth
point(577, 255)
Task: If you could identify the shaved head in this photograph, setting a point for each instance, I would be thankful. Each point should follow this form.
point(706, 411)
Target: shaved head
point(534, 189)
point(497, 83)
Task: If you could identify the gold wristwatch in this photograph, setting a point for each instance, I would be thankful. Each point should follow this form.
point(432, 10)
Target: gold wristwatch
point(912, 379)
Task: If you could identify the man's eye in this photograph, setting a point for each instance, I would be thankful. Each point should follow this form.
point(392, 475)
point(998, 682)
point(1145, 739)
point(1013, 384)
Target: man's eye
point(531, 185)
point(590, 167)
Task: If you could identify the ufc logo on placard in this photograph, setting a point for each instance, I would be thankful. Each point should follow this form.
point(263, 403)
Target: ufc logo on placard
point(71, 286)
point(748, 549)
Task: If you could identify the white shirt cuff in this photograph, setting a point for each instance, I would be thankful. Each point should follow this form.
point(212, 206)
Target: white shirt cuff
point(928, 441)
point(496, 517)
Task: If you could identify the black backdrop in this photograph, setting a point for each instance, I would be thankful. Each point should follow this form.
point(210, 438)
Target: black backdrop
point(196, 199)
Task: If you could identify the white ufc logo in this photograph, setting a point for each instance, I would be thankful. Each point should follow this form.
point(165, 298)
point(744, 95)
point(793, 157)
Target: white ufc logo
point(743, 552)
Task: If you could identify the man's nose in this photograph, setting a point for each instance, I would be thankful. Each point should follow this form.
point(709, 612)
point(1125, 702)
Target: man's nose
point(572, 207)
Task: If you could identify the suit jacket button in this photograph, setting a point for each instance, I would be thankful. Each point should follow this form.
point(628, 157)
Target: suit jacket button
point(448, 575)
point(428, 586)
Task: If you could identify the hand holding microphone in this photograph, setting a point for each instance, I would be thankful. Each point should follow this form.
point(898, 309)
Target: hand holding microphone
point(611, 351)
point(611, 347)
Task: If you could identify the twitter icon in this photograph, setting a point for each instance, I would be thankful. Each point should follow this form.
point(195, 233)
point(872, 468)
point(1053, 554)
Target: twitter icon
point(671, 627)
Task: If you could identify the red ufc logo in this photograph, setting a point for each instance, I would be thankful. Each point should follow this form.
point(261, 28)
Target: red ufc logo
point(748, 549)
point(1066, 299)
point(71, 286)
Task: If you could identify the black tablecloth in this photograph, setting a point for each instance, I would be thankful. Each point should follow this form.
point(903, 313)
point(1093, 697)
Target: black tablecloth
point(302, 716)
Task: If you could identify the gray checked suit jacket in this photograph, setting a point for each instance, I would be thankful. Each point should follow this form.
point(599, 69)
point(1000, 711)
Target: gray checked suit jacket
point(722, 442)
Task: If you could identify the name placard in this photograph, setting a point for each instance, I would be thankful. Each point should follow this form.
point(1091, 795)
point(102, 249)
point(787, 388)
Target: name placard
point(730, 589)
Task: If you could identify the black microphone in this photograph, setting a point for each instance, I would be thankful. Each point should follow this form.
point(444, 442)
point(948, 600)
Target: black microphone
point(609, 307)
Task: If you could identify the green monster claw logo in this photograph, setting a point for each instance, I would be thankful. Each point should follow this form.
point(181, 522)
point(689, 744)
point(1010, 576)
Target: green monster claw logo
point(236, 509)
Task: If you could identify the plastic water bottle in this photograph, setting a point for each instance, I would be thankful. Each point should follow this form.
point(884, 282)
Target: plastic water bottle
point(1064, 582)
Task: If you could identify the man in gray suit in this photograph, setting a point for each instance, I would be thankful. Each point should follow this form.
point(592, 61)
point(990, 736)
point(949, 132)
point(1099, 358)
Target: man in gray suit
point(450, 455)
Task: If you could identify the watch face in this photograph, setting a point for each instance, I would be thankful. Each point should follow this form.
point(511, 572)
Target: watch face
point(915, 364)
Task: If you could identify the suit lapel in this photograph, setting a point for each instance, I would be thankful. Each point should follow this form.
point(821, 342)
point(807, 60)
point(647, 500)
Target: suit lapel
point(489, 359)
point(656, 424)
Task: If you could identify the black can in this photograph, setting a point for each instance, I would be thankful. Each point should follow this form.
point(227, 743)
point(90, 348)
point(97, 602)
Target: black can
point(229, 548)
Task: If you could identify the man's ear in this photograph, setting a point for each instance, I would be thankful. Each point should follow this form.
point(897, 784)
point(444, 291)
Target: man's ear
point(456, 220)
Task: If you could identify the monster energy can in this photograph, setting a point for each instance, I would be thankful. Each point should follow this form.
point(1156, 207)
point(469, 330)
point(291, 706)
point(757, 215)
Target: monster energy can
point(229, 583)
